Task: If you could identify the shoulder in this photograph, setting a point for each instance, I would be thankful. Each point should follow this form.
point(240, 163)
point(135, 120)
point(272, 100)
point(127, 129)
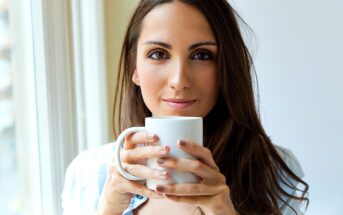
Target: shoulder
point(93, 156)
point(288, 204)
point(84, 180)
point(290, 159)
point(90, 160)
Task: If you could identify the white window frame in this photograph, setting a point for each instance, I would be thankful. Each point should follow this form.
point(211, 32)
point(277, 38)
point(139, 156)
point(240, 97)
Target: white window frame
point(66, 86)
point(90, 71)
point(24, 97)
point(56, 106)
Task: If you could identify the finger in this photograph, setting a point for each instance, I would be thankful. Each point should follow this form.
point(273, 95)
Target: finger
point(144, 152)
point(136, 188)
point(133, 139)
point(122, 185)
point(190, 189)
point(146, 172)
point(199, 151)
point(200, 169)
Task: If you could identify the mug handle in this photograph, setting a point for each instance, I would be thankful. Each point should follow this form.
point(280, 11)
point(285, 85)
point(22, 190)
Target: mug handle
point(118, 146)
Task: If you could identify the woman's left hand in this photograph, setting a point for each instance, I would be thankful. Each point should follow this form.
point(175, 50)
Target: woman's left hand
point(211, 194)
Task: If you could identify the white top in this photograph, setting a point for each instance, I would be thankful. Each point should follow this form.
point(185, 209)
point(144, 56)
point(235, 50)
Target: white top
point(86, 177)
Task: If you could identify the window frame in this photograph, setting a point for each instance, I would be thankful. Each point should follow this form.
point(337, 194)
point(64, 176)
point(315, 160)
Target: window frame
point(55, 98)
point(60, 93)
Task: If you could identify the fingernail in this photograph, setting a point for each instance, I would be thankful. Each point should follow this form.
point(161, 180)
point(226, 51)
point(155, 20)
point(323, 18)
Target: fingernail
point(159, 188)
point(164, 149)
point(182, 143)
point(160, 161)
point(150, 136)
point(163, 174)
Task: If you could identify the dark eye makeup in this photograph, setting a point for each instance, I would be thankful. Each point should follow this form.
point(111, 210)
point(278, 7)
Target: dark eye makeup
point(202, 55)
point(198, 55)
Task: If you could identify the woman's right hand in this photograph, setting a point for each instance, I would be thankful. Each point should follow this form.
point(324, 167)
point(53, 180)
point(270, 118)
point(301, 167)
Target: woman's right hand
point(119, 190)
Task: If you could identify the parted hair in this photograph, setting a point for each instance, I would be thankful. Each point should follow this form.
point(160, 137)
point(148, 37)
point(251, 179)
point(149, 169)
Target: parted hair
point(233, 132)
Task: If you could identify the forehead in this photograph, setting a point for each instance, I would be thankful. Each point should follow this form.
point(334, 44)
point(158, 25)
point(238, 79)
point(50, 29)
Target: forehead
point(176, 20)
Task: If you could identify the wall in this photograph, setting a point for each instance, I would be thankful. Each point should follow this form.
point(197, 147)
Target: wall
point(299, 62)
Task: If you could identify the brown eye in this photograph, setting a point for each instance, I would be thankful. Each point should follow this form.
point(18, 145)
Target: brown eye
point(202, 56)
point(157, 55)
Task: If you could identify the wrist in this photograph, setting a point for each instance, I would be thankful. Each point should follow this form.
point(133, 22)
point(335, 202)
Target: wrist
point(222, 205)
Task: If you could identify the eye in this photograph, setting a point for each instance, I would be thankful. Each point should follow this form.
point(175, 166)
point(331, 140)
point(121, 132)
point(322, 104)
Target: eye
point(157, 55)
point(203, 55)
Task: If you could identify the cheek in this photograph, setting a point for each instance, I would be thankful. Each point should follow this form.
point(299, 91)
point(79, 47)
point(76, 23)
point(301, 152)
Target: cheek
point(209, 89)
point(151, 82)
point(209, 83)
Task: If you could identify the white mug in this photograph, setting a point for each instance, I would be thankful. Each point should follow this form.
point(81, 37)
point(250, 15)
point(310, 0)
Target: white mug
point(169, 130)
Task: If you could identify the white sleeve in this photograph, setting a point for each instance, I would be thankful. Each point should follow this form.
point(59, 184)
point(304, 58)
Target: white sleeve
point(69, 195)
point(292, 162)
point(82, 187)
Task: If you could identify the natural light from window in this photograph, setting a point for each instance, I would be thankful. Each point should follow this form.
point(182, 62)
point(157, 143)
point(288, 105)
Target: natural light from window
point(9, 181)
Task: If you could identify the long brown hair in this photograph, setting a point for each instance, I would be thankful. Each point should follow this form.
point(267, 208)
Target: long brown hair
point(253, 168)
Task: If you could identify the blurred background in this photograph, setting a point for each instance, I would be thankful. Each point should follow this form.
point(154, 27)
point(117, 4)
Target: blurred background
point(298, 51)
point(9, 183)
point(57, 76)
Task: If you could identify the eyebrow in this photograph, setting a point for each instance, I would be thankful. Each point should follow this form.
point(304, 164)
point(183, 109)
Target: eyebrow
point(193, 46)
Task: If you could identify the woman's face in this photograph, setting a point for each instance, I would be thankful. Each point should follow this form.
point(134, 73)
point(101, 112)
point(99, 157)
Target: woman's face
point(176, 61)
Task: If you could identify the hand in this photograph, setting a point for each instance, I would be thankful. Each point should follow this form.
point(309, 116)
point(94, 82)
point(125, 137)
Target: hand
point(119, 190)
point(212, 194)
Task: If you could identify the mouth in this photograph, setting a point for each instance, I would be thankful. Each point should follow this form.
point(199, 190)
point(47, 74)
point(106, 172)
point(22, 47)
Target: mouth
point(179, 103)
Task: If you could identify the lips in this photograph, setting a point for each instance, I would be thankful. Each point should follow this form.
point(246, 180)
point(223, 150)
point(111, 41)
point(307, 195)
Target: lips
point(179, 103)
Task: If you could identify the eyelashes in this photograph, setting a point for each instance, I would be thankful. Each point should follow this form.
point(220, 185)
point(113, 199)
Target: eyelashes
point(198, 55)
point(202, 56)
point(158, 55)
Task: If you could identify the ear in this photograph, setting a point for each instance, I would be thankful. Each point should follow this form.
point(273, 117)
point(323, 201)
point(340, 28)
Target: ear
point(135, 78)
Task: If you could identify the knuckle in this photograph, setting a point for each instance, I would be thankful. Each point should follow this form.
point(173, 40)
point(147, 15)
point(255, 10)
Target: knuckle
point(129, 138)
point(131, 155)
point(170, 189)
point(172, 162)
point(226, 189)
point(197, 165)
point(193, 145)
point(208, 152)
point(223, 178)
point(124, 155)
point(130, 168)
point(194, 188)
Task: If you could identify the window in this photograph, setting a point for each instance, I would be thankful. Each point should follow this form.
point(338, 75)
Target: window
point(9, 181)
point(46, 64)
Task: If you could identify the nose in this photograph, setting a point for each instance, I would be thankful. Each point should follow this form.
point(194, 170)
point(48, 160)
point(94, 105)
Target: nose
point(179, 79)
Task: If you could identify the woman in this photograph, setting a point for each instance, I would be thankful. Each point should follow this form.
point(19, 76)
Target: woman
point(188, 58)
